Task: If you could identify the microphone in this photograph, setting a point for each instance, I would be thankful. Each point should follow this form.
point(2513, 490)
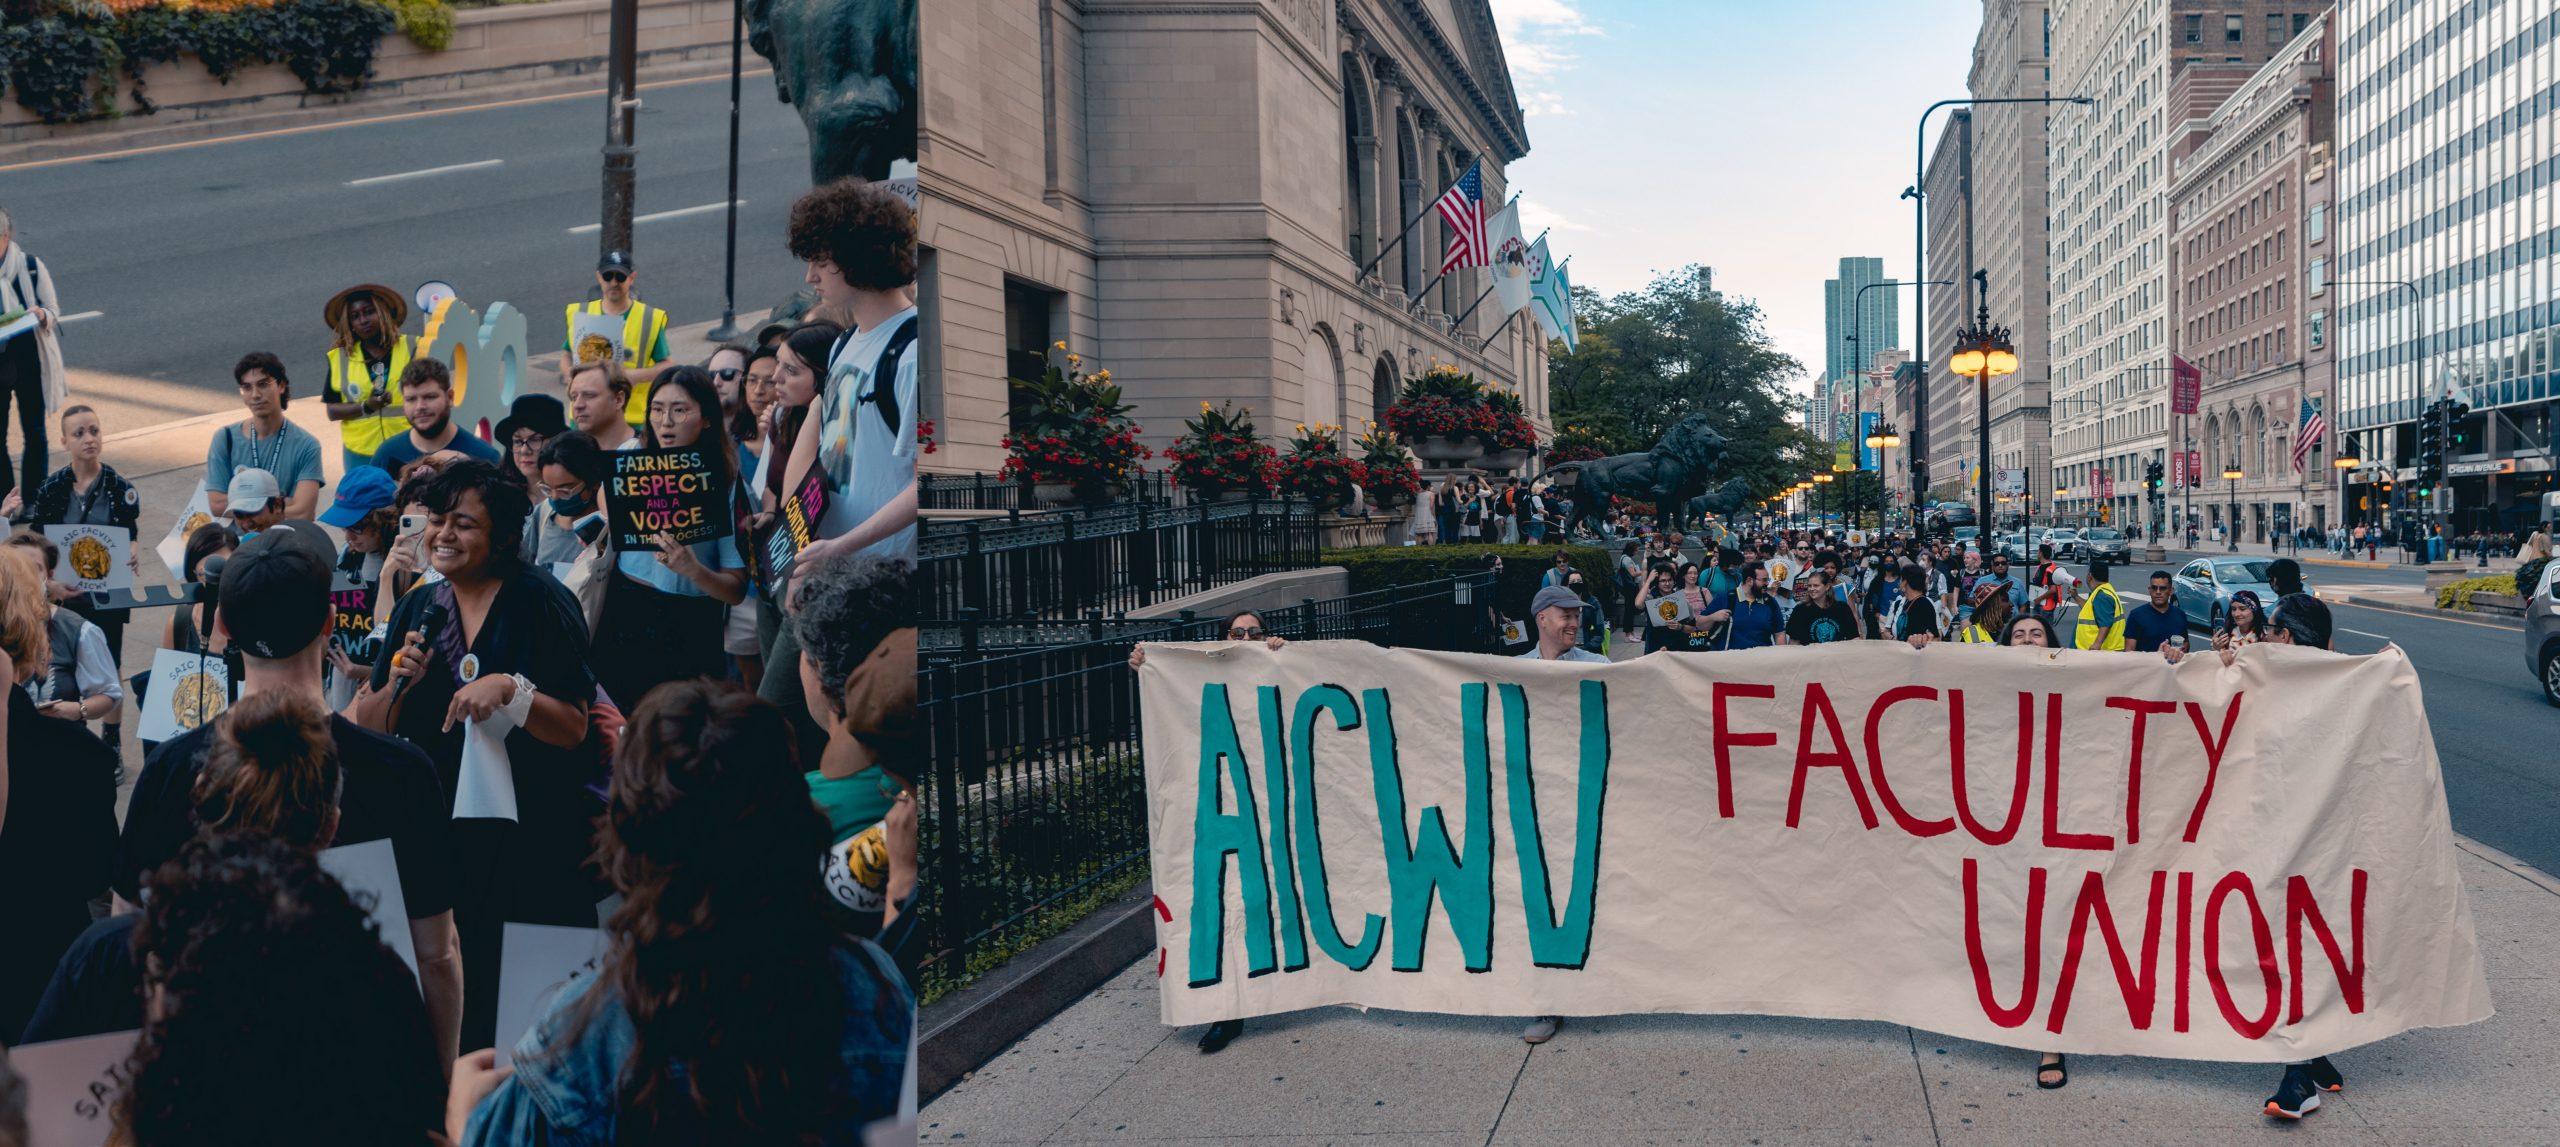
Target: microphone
point(430, 620)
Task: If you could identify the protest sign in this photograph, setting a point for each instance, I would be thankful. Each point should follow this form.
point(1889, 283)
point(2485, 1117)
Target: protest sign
point(92, 558)
point(595, 338)
point(1516, 633)
point(186, 690)
point(1669, 610)
point(2050, 849)
point(173, 549)
point(534, 960)
point(73, 1086)
point(371, 873)
point(795, 525)
point(352, 626)
point(676, 490)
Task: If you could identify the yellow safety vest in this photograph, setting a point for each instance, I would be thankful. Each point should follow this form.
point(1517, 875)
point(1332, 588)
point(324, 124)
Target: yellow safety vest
point(352, 377)
point(2087, 635)
point(641, 327)
point(1973, 634)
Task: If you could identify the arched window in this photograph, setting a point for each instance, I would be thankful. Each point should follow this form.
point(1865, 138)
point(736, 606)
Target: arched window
point(1409, 205)
point(2258, 434)
point(2212, 445)
point(1359, 171)
point(1321, 376)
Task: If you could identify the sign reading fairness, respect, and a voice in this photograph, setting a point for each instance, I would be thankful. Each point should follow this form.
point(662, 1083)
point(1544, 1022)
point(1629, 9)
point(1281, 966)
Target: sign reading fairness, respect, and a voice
point(2084, 852)
point(677, 490)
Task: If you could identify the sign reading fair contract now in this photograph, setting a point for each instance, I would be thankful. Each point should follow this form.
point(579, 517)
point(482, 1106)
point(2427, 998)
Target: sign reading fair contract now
point(674, 490)
point(2056, 850)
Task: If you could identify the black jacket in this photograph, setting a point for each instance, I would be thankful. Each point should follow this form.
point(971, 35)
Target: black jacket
point(51, 503)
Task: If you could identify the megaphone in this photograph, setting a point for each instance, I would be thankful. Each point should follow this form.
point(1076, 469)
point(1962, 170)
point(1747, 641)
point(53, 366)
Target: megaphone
point(432, 294)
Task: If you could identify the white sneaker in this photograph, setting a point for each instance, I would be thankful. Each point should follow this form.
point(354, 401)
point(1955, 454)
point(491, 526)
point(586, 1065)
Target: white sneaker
point(1542, 1029)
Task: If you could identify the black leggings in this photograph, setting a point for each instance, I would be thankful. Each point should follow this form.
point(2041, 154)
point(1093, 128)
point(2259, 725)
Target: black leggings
point(22, 379)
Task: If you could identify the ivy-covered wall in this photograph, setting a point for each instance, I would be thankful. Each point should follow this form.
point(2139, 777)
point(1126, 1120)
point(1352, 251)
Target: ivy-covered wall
point(65, 60)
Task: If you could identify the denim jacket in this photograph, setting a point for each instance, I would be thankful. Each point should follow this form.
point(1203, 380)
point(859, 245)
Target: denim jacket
point(562, 1095)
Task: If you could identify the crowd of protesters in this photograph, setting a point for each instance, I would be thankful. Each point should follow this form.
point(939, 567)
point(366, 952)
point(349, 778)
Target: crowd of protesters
point(706, 760)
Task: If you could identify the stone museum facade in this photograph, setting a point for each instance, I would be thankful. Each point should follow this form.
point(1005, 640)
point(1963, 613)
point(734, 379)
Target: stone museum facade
point(1186, 193)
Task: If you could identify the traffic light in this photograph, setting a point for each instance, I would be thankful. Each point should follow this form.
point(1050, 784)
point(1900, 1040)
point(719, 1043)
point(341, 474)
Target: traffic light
point(2151, 476)
point(2454, 413)
point(2430, 444)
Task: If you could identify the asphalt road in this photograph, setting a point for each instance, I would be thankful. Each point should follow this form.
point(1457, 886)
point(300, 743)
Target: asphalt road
point(195, 255)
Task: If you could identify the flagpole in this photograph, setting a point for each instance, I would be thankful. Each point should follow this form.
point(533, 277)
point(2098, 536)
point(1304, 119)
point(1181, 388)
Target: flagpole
point(1425, 292)
point(1471, 308)
point(1497, 331)
point(1381, 257)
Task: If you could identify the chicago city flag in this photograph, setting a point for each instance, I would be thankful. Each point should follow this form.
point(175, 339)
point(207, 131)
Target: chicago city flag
point(1551, 296)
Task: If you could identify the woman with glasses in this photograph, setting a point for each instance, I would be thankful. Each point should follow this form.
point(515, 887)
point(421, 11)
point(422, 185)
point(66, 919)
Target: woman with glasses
point(531, 423)
point(1245, 626)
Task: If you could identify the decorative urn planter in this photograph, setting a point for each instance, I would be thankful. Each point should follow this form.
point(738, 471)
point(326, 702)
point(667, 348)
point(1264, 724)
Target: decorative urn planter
point(1504, 461)
point(1445, 450)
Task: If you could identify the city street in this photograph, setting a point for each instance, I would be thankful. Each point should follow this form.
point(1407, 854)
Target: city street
point(171, 262)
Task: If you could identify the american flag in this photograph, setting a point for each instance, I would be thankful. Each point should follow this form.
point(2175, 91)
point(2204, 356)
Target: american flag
point(1462, 207)
point(2312, 429)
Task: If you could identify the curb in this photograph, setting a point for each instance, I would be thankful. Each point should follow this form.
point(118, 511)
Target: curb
point(2493, 620)
point(2530, 874)
point(961, 1032)
point(2348, 563)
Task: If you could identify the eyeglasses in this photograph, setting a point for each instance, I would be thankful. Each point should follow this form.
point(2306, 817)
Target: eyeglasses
point(527, 443)
point(614, 276)
point(727, 373)
point(1243, 632)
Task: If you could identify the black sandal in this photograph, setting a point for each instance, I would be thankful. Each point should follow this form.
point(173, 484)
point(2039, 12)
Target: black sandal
point(2061, 1069)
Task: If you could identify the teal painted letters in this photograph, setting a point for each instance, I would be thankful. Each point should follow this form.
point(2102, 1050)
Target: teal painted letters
point(1553, 944)
point(1417, 869)
point(1336, 700)
point(1216, 834)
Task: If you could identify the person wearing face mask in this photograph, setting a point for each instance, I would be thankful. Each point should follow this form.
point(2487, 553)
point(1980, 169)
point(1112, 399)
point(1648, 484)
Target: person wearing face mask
point(664, 610)
point(573, 469)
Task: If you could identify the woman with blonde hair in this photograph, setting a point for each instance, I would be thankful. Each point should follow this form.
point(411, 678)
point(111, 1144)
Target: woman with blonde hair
point(57, 804)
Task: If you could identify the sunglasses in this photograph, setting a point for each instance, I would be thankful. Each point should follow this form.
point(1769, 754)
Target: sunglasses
point(728, 374)
point(614, 276)
point(1243, 632)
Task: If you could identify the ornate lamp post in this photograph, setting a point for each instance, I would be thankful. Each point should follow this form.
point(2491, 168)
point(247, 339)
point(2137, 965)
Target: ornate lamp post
point(1983, 351)
point(1883, 439)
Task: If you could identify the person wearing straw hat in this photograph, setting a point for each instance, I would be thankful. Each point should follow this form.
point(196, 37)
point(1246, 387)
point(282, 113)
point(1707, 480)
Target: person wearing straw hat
point(367, 353)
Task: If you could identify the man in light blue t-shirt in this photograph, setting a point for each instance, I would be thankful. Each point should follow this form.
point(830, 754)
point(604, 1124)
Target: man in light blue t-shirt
point(264, 441)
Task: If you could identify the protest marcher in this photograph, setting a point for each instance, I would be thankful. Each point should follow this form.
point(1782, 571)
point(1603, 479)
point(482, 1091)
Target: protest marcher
point(2157, 621)
point(643, 334)
point(31, 372)
point(1595, 627)
point(1989, 615)
point(265, 441)
point(367, 354)
point(1917, 619)
point(1557, 573)
point(495, 641)
point(88, 492)
point(728, 369)
point(574, 472)
point(1557, 614)
point(426, 400)
point(598, 394)
point(2300, 619)
point(1821, 616)
point(666, 607)
point(253, 501)
point(2101, 621)
point(859, 239)
point(1245, 626)
point(1753, 619)
point(729, 1008)
point(854, 607)
point(57, 805)
point(799, 370)
point(532, 421)
point(2029, 631)
point(1880, 600)
point(2284, 575)
point(1664, 582)
point(261, 967)
point(2243, 623)
point(363, 508)
point(79, 683)
point(191, 630)
point(274, 606)
point(746, 400)
point(2053, 587)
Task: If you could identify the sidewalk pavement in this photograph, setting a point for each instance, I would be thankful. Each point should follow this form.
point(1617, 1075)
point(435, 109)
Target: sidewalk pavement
point(1106, 1071)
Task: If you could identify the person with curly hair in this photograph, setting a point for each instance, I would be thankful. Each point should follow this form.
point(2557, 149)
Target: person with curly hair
point(859, 240)
point(57, 804)
point(849, 617)
point(730, 1007)
point(259, 969)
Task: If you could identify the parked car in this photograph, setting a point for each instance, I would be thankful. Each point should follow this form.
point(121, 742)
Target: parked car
point(2064, 540)
point(2104, 542)
point(2542, 632)
point(2204, 587)
point(1965, 535)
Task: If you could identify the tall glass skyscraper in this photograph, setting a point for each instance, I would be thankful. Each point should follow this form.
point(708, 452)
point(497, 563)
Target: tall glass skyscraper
point(2449, 165)
point(1878, 319)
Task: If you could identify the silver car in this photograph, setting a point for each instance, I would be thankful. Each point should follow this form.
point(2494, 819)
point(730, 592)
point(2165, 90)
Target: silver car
point(2105, 543)
point(2542, 632)
point(2204, 587)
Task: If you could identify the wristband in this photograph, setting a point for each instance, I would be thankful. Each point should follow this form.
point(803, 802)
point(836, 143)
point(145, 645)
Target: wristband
point(520, 705)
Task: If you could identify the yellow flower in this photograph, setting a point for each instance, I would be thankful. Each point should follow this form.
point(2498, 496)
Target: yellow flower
point(1204, 406)
point(1062, 344)
point(1075, 360)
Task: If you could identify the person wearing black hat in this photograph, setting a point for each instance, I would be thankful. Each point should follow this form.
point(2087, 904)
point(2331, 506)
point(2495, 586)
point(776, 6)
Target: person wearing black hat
point(644, 330)
point(274, 605)
point(367, 353)
point(532, 421)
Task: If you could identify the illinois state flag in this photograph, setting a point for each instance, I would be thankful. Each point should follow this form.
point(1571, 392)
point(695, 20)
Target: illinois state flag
point(1551, 296)
point(1510, 258)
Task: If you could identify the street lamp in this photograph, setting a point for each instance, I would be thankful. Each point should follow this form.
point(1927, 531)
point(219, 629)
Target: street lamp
point(1918, 196)
point(1857, 367)
point(2231, 528)
point(1882, 440)
point(1983, 351)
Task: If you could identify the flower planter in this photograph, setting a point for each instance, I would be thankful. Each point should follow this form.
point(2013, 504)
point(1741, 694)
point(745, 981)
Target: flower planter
point(1057, 495)
point(1444, 450)
point(1504, 461)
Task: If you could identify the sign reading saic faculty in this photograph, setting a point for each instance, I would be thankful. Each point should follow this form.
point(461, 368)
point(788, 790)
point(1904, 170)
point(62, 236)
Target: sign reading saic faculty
point(2081, 852)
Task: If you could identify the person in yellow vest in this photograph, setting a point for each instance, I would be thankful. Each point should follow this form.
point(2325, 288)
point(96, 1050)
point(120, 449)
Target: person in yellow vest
point(1990, 614)
point(2101, 615)
point(644, 332)
point(366, 355)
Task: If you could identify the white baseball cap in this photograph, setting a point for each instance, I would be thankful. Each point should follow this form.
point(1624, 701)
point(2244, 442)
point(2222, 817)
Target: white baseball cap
point(250, 491)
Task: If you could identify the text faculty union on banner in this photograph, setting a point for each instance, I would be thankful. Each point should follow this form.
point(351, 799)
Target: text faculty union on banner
point(2086, 852)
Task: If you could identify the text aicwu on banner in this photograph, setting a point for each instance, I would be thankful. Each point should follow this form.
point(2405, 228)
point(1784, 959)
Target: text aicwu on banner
point(2084, 852)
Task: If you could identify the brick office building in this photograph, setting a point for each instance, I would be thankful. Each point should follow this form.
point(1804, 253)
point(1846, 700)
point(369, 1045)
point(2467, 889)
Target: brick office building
point(1186, 195)
point(2251, 188)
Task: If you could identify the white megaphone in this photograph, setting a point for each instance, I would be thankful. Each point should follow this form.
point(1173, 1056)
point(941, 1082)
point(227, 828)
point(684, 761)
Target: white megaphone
point(432, 294)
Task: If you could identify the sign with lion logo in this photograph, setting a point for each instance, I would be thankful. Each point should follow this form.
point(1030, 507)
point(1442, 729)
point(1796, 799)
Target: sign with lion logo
point(173, 549)
point(186, 690)
point(92, 558)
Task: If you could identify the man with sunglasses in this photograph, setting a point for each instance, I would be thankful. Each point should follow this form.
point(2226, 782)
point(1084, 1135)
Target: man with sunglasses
point(644, 330)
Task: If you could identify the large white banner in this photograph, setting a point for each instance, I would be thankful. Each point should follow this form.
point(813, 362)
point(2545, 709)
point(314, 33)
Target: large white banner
point(2082, 852)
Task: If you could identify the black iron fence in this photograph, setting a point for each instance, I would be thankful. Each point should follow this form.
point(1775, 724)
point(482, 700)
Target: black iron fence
point(989, 492)
point(1114, 558)
point(1036, 787)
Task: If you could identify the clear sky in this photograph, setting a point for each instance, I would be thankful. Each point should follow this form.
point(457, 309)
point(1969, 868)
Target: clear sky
point(1763, 138)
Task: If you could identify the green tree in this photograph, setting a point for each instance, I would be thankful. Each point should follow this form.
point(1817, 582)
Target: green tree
point(1649, 358)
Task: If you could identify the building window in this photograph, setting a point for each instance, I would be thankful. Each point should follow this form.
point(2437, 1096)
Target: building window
point(2231, 26)
point(1030, 314)
point(2276, 35)
point(2319, 274)
point(2319, 222)
point(2301, 20)
point(2195, 29)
